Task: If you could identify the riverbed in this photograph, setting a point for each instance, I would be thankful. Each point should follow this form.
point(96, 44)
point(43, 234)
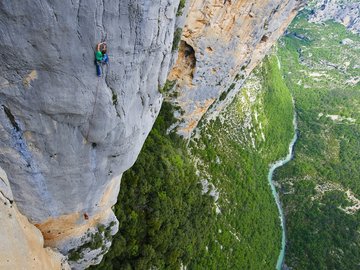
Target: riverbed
point(273, 167)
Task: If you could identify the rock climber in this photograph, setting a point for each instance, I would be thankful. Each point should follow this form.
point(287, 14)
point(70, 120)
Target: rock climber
point(101, 57)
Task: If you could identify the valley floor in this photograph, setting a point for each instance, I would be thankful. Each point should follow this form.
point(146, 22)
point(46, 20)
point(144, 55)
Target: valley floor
point(234, 154)
point(320, 188)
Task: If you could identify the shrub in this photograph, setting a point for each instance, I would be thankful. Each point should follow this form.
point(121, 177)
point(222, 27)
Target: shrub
point(177, 38)
point(180, 7)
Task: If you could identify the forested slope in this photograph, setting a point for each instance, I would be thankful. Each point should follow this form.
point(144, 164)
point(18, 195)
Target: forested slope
point(211, 208)
point(321, 187)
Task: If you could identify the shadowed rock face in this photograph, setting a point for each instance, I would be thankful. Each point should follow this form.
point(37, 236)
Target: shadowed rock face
point(66, 135)
point(229, 39)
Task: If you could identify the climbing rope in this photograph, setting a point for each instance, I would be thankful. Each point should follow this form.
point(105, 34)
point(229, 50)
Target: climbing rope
point(92, 114)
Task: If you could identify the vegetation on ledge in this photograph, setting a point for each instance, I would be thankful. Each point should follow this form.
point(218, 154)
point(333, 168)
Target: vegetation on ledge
point(181, 8)
point(177, 38)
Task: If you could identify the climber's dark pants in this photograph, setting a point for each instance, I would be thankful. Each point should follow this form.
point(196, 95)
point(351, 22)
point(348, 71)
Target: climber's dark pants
point(99, 63)
point(98, 68)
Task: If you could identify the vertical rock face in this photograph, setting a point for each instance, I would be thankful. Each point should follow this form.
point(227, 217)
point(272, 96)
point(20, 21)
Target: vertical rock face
point(222, 42)
point(345, 12)
point(21, 244)
point(66, 135)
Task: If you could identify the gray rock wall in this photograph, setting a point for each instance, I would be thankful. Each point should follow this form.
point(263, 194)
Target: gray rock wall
point(66, 135)
point(58, 150)
point(346, 12)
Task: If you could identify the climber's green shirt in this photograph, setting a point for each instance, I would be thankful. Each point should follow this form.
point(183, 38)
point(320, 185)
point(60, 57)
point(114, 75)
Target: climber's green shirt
point(99, 56)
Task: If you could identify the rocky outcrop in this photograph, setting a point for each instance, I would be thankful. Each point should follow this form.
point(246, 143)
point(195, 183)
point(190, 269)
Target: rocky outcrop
point(66, 135)
point(222, 42)
point(21, 243)
point(344, 12)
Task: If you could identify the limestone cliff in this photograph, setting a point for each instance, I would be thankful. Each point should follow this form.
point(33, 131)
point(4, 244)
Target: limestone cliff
point(21, 243)
point(222, 42)
point(346, 12)
point(67, 136)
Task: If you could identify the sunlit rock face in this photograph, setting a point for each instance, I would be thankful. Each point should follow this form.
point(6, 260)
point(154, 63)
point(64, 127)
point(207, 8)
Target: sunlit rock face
point(67, 135)
point(222, 42)
point(346, 12)
point(21, 243)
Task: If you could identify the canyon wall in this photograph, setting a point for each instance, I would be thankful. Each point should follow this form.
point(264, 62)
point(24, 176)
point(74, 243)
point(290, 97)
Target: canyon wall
point(222, 42)
point(67, 135)
point(346, 12)
point(21, 243)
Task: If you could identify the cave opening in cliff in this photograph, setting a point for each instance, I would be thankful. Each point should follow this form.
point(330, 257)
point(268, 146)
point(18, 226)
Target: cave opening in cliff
point(264, 38)
point(184, 68)
point(189, 60)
